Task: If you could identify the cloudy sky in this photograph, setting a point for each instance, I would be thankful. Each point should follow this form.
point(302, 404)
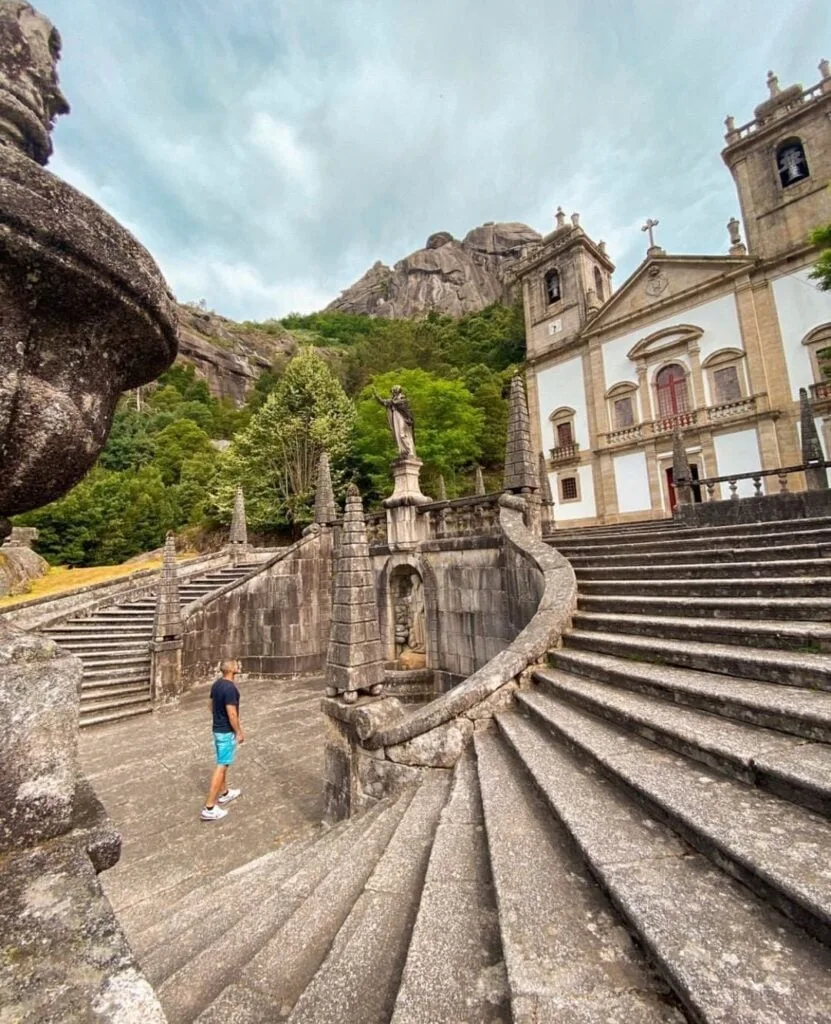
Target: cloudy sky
point(269, 151)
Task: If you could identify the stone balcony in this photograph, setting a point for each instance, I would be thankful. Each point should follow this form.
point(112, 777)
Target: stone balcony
point(713, 414)
point(564, 453)
point(821, 395)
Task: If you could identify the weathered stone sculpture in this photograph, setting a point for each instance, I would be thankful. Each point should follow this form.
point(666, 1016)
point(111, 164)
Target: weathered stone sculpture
point(84, 315)
point(520, 469)
point(400, 420)
point(85, 312)
point(355, 659)
point(238, 532)
point(816, 475)
point(325, 511)
point(681, 474)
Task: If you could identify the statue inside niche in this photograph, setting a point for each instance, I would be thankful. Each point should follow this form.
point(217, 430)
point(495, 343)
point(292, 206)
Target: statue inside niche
point(409, 626)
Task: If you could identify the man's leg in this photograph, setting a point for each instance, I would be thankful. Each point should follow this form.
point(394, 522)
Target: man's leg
point(217, 784)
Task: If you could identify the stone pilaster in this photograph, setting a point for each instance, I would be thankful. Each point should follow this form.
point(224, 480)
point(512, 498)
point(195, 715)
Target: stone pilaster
point(168, 623)
point(816, 475)
point(520, 465)
point(355, 660)
point(680, 470)
point(480, 482)
point(325, 511)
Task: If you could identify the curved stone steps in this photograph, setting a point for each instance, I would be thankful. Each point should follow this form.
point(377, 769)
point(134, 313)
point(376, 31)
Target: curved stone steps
point(709, 570)
point(756, 586)
point(737, 606)
point(726, 953)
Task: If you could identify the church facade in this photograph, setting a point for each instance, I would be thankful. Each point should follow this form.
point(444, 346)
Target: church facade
point(717, 346)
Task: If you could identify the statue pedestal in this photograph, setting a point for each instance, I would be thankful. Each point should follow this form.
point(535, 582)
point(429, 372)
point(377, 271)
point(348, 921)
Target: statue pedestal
point(404, 529)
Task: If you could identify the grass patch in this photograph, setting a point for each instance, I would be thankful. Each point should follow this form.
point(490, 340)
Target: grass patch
point(61, 579)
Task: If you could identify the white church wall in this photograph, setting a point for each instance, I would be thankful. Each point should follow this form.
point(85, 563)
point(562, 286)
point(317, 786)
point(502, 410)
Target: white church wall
point(632, 482)
point(800, 306)
point(717, 318)
point(737, 452)
point(562, 385)
point(585, 508)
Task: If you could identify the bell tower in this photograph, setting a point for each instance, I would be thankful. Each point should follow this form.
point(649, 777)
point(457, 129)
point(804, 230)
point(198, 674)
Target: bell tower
point(565, 279)
point(781, 164)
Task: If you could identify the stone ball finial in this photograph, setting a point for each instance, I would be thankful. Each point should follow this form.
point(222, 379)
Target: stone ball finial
point(825, 68)
point(773, 84)
point(560, 217)
point(30, 97)
point(575, 219)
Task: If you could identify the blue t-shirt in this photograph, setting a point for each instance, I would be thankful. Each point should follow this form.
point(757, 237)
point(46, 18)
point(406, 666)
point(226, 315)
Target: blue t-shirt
point(223, 693)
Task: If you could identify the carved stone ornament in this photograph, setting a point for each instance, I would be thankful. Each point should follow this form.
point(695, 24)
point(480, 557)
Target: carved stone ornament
point(657, 282)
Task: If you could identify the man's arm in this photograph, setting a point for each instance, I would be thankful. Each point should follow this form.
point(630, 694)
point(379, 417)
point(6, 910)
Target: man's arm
point(233, 718)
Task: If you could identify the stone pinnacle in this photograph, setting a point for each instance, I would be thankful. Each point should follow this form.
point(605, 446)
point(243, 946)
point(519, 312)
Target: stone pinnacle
point(325, 512)
point(168, 621)
point(546, 497)
point(480, 481)
point(355, 659)
point(442, 488)
point(520, 470)
point(816, 475)
point(681, 474)
point(238, 533)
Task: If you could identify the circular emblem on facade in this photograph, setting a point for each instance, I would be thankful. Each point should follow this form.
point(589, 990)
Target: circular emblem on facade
point(656, 282)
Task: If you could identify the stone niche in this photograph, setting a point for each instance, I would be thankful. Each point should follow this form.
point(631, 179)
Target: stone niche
point(408, 619)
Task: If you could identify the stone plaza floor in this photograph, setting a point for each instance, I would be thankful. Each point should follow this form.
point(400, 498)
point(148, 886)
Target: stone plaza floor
point(152, 772)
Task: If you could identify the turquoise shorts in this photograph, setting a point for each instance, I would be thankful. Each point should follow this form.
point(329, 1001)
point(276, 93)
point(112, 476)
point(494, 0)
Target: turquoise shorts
point(226, 747)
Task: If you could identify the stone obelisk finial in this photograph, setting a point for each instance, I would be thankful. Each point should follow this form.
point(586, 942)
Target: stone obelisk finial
point(479, 487)
point(442, 488)
point(681, 474)
point(168, 622)
point(238, 534)
point(520, 468)
point(325, 513)
point(816, 475)
point(355, 660)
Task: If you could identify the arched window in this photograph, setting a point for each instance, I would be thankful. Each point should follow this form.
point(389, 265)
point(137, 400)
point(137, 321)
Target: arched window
point(552, 287)
point(791, 162)
point(598, 284)
point(671, 385)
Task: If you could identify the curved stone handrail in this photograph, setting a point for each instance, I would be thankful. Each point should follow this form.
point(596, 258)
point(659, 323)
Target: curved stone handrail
point(553, 615)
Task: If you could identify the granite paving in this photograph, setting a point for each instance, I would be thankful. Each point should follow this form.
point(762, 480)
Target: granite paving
point(152, 774)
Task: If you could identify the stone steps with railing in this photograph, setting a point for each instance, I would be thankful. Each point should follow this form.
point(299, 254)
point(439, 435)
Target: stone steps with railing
point(113, 643)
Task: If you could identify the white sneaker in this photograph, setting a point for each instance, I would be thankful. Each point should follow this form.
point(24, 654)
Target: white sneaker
point(228, 796)
point(212, 813)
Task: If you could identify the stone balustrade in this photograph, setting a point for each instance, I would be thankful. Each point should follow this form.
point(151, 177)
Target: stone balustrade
point(709, 484)
point(565, 452)
point(737, 409)
point(728, 410)
point(820, 390)
point(476, 516)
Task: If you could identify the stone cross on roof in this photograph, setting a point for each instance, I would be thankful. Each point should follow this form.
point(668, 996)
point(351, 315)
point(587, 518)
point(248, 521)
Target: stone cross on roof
point(650, 224)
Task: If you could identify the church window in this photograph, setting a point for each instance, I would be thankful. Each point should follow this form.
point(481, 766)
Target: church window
point(598, 284)
point(671, 385)
point(727, 387)
point(568, 488)
point(565, 435)
point(624, 413)
point(791, 163)
point(552, 287)
point(818, 343)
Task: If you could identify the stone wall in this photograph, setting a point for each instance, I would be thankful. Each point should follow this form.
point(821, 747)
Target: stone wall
point(762, 509)
point(275, 622)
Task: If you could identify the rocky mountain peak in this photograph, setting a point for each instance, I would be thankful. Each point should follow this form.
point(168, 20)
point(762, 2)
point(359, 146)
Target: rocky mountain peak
point(447, 275)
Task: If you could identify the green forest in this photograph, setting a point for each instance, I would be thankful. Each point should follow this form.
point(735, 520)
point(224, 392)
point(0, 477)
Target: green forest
point(161, 469)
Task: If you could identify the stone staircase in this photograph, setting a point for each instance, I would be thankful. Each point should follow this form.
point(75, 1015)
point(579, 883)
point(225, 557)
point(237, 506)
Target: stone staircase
point(114, 645)
point(643, 837)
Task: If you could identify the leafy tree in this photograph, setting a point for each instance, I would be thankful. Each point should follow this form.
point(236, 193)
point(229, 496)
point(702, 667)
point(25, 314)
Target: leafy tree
point(275, 458)
point(178, 443)
point(448, 426)
point(822, 268)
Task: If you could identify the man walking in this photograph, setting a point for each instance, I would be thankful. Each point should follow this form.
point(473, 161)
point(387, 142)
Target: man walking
point(227, 734)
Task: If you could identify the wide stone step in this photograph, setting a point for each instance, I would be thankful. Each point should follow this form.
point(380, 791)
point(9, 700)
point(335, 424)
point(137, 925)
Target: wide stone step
point(789, 668)
point(252, 949)
point(96, 642)
point(361, 974)
point(116, 714)
point(116, 659)
point(567, 957)
point(802, 609)
point(98, 627)
point(670, 528)
point(814, 567)
point(777, 635)
point(110, 708)
point(791, 709)
point(631, 546)
point(98, 694)
point(728, 956)
point(779, 587)
point(769, 553)
point(454, 969)
point(778, 849)
point(782, 764)
point(137, 671)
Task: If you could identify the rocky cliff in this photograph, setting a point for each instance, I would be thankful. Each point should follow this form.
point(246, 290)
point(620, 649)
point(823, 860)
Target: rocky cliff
point(447, 275)
point(230, 356)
